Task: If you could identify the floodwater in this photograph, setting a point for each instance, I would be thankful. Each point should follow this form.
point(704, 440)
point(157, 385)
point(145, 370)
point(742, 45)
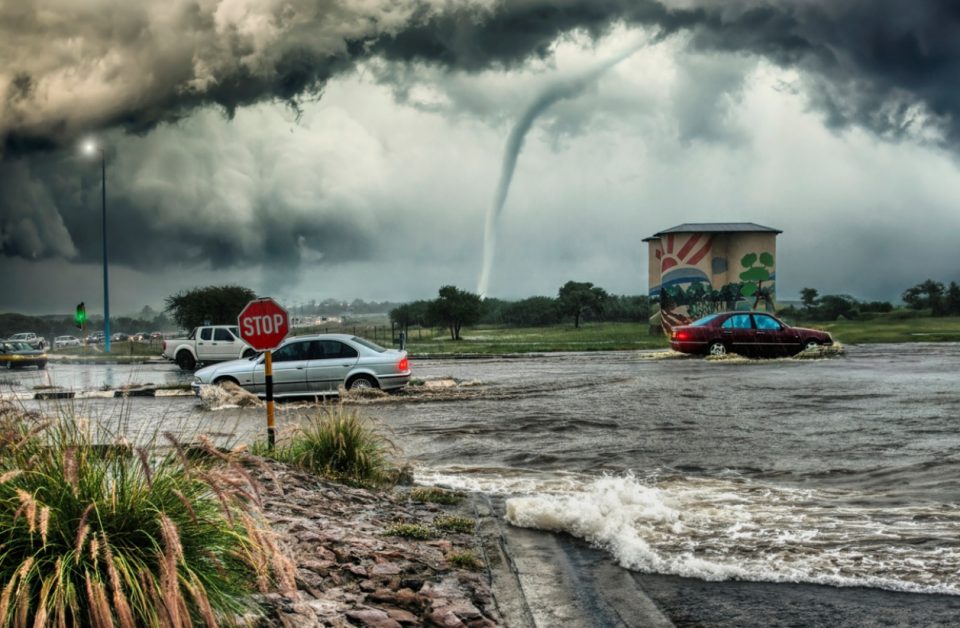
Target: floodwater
point(842, 472)
point(93, 376)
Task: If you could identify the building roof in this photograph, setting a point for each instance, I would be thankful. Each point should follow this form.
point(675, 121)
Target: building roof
point(718, 227)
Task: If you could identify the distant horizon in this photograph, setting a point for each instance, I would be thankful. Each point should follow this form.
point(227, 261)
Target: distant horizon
point(94, 312)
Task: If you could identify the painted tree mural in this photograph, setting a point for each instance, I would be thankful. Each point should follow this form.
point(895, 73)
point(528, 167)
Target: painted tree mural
point(754, 276)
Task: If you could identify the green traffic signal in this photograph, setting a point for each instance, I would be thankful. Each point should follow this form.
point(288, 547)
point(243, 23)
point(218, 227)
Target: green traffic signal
point(80, 318)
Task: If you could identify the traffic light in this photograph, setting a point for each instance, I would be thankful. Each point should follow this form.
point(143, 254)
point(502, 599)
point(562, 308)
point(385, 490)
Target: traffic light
point(80, 318)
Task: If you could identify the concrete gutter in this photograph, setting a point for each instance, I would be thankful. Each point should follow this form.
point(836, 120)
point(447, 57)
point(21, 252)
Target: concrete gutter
point(55, 393)
point(543, 580)
point(106, 359)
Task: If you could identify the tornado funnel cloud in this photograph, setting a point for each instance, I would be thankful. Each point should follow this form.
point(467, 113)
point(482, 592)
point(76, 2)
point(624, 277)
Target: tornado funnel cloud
point(554, 92)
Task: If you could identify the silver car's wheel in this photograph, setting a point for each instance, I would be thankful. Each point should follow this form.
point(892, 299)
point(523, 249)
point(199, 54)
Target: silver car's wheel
point(360, 382)
point(718, 348)
point(811, 344)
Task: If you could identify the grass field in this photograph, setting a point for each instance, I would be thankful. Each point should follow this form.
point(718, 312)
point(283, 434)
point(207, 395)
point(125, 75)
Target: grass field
point(626, 336)
point(495, 340)
point(946, 329)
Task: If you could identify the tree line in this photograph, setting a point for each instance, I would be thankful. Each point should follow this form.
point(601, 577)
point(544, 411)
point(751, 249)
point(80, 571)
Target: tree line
point(575, 302)
point(928, 297)
point(454, 308)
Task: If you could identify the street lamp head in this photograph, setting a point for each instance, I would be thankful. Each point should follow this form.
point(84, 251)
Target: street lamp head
point(89, 147)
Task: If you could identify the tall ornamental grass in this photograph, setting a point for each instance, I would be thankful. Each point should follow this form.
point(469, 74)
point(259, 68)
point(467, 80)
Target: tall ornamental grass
point(112, 535)
point(338, 443)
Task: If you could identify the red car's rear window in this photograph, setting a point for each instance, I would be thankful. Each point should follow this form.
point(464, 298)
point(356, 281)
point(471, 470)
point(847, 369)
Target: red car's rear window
point(703, 321)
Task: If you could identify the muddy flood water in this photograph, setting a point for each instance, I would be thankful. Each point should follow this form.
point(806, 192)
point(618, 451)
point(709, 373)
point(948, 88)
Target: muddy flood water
point(842, 472)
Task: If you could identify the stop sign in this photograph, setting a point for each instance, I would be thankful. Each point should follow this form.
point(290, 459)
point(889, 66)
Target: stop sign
point(263, 324)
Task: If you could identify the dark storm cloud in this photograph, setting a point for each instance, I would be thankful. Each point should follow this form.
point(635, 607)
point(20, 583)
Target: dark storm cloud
point(50, 206)
point(68, 68)
point(888, 65)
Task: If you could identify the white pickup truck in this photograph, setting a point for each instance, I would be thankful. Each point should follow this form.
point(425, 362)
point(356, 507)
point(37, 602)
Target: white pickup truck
point(207, 344)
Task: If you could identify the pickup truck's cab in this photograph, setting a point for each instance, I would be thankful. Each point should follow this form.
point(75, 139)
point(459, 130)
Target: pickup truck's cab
point(207, 344)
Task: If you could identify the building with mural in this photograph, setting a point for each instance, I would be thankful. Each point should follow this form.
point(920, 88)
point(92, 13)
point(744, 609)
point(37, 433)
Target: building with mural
point(697, 269)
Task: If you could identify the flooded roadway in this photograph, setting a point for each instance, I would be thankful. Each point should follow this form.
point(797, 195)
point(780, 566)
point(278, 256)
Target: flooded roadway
point(842, 472)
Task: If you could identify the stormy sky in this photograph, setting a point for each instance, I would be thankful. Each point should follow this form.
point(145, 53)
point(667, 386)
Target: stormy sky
point(353, 148)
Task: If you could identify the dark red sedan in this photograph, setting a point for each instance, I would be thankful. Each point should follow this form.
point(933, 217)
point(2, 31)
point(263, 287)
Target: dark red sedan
point(754, 334)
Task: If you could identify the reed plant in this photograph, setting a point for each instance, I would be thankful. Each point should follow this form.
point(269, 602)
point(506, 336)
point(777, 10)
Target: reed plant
point(115, 535)
point(336, 442)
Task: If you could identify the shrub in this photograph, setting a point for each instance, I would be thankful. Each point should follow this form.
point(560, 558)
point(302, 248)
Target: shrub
point(337, 443)
point(464, 560)
point(108, 535)
point(436, 496)
point(454, 524)
point(410, 531)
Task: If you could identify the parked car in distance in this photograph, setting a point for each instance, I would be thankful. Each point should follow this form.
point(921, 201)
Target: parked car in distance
point(156, 335)
point(65, 341)
point(32, 339)
point(119, 337)
point(15, 355)
point(95, 338)
point(315, 365)
point(752, 334)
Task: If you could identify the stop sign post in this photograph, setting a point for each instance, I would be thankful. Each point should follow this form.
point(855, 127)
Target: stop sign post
point(263, 325)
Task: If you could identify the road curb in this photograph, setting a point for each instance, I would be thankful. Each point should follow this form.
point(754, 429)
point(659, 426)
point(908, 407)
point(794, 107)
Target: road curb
point(48, 395)
point(540, 580)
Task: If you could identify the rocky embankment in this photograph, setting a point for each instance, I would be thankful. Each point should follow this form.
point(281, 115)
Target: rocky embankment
point(357, 565)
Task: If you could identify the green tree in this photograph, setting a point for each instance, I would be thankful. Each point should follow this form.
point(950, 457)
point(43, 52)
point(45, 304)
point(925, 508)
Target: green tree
point(147, 313)
point(419, 312)
point(455, 308)
point(578, 298)
point(876, 306)
point(402, 317)
point(407, 314)
point(833, 306)
point(928, 294)
point(628, 309)
point(492, 310)
point(952, 301)
point(218, 304)
point(809, 296)
point(532, 312)
point(161, 322)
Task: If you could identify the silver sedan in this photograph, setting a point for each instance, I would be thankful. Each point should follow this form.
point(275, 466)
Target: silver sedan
point(315, 365)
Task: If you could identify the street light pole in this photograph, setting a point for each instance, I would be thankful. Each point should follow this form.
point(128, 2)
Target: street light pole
point(90, 147)
point(106, 282)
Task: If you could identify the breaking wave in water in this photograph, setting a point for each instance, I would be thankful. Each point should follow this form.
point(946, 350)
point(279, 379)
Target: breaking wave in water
point(736, 529)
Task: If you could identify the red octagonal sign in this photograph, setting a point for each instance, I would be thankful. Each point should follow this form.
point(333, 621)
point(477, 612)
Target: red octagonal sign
point(263, 324)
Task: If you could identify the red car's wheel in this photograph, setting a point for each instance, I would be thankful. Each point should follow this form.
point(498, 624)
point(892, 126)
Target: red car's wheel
point(717, 348)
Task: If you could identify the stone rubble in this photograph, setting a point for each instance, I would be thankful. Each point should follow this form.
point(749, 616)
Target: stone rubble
point(350, 572)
